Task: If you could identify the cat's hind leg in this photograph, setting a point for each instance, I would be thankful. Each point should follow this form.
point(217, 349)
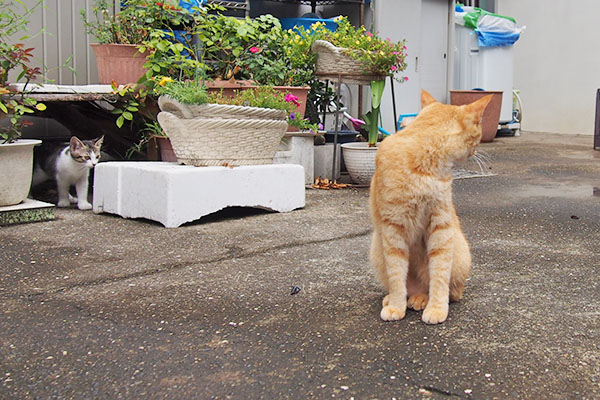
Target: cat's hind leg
point(378, 262)
point(63, 193)
point(417, 282)
point(417, 293)
point(461, 266)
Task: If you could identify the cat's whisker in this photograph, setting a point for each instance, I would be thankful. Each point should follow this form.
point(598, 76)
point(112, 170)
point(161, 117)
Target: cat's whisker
point(479, 163)
point(484, 154)
point(483, 160)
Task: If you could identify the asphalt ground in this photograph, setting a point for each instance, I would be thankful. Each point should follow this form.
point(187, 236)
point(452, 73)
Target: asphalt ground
point(100, 307)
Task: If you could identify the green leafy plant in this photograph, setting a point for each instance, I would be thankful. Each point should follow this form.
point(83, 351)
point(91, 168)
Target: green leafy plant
point(372, 117)
point(151, 130)
point(186, 92)
point(133, 23)
point(14, 104)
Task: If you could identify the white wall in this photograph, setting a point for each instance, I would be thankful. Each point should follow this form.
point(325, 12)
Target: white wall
point(557, 65)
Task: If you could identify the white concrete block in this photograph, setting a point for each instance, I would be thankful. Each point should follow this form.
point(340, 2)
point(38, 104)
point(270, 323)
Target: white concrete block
point(175, 194)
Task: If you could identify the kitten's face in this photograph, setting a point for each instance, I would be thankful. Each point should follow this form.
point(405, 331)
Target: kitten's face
point(86, 151)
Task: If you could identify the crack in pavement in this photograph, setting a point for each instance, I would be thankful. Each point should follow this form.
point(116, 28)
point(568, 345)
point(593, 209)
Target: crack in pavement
point(181, 265)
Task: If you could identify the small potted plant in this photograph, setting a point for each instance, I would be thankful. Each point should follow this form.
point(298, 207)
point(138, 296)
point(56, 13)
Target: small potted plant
point(16, 155)
point(120, 51)
point(214, 129)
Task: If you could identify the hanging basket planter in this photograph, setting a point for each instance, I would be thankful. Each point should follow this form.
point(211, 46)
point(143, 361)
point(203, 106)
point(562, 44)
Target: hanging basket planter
point(333, 62)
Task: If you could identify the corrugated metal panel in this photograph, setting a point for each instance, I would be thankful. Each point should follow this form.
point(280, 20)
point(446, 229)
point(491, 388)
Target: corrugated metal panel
point(61, 38)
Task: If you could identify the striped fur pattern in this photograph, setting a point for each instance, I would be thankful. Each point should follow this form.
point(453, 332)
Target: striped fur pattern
point(418, 250)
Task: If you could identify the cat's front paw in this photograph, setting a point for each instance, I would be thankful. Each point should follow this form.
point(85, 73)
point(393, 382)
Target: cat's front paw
point(64, 203)
point(391, 313)
point(435, 314)
point(84, 206)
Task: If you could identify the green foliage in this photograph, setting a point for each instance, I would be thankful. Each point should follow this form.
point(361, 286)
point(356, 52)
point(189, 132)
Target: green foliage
point(186, 92)
point(372, 117)
point(15, 57)
point(261, 97)
point(133, 24)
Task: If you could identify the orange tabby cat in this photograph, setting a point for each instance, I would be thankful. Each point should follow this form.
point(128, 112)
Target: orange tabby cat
point(418, 250)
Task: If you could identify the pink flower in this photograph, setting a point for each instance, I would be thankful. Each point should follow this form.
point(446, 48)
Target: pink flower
point(405, 78)
point(254, 49)
point(394, 68)
point(290, 98)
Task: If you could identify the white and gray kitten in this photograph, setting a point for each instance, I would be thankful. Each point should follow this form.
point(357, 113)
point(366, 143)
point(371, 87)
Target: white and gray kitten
point(68, 166)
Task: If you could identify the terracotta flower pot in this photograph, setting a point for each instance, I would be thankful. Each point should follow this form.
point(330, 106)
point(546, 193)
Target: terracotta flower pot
point(491, 114)
point(166, 149)
point(119, 62)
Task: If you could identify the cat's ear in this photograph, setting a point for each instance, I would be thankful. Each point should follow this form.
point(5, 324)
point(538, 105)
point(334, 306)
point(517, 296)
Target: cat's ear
point(75, 144)
point(98, 142)
point(477, 107)
point(426, 98)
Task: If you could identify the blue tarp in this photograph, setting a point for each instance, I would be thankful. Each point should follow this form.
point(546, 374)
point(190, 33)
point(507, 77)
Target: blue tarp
point(496, 39)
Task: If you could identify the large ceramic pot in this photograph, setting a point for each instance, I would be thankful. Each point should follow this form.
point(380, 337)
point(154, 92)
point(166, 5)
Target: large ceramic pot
point(359, 159)
point(491, 114)
point(122, 63)
point(16, 169)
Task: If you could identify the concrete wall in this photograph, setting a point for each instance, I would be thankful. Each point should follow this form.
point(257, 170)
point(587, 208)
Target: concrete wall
point(556, 63)
point(64, 39)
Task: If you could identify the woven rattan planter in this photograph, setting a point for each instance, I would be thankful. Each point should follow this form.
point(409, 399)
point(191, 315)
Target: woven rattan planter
point(223, 111)
point(335, 62)
point(222, 135)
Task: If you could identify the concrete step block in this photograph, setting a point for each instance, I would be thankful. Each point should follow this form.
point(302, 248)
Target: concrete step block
point(175, 194)
point(297, 148)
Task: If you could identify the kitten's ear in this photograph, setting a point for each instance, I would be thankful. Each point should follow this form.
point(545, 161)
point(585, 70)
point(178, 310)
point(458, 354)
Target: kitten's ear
point(477, 107)
point(426, 98)
point(98, 142)
point(75, 143)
